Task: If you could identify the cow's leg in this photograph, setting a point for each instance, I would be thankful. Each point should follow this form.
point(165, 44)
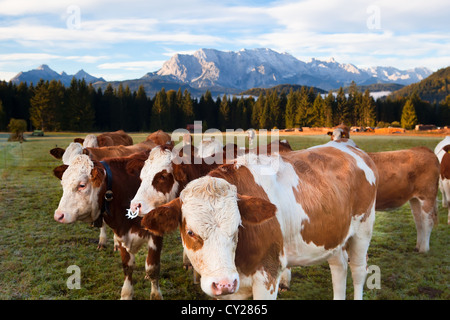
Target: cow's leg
point(338, 266)
point(424, 212)
point(285, 281)
point(262, 289)
point(357, 247)
point(443, 193)
point(103, 237)
point(152, 266)
point(446, 193)
point(128, 267)
point(187, 266)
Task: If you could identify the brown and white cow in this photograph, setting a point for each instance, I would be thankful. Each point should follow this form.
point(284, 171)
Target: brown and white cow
point(86, 184)
point(409, 175)
point(107, 139)
point(405, 175)
point(325, 205)
point(442, 152)
point(256, 257)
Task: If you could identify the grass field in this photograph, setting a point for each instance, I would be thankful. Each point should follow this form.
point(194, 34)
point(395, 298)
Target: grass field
point(35, 251)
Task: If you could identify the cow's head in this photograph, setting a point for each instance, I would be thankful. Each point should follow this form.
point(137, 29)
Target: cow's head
point(81, 182)
point(340, 132)
point(158, 185)
point(210, 215)
point(74, 149)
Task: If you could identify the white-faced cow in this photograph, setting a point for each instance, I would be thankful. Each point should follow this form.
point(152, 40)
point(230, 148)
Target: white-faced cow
point(247, 230)
point(442, 152)
point(93, 189)
point(325, 205)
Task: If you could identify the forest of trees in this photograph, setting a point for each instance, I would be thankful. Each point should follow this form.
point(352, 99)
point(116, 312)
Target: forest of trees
point(50, 106)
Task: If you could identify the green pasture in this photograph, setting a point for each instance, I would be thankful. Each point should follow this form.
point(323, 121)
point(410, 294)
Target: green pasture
point(35, 251)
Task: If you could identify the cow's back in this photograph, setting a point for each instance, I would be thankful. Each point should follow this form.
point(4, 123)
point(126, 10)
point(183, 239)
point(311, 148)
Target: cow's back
point(335, 186)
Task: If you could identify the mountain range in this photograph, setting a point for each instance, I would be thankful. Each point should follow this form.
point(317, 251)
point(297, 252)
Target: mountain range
point(46, 73)
point(234, 72)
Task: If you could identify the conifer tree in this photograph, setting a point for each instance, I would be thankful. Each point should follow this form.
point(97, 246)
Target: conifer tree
point(409, 117)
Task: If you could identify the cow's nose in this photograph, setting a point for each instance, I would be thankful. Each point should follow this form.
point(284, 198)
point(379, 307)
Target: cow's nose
point(224, 286)
point(136, 206)
point(59, 216)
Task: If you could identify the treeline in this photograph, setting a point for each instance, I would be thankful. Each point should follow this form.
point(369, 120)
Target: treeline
point(50, 106)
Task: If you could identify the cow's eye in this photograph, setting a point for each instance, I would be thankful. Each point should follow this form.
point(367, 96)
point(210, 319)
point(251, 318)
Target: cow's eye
point(81, 186)
point(191, 233)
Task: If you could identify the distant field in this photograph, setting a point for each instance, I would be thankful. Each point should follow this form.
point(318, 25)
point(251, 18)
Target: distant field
point(35, 251)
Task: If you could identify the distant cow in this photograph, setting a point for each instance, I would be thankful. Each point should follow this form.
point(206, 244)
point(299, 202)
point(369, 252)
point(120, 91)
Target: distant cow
point(98, 154)
point(107, 139)
point(409, 175)
point(324, 199)
point(93, 189)
point(339, 132)
point(442, 152)
point(160, 138)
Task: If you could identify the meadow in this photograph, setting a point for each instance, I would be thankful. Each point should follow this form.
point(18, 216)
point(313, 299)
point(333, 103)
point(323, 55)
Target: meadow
point(36, 251)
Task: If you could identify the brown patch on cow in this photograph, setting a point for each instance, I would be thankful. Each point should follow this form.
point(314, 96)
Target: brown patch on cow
point(242, 178)
point(116, 138)
point(136, 163)
point(191, 240)
point(260, 241)
point(97, 175)
point(163, 181)
point(163, 219)
point(57, 153)
point(160, 138)
point(445, 166)
point(332, 190)
point(118, 151)
point(59, 171)
point(79, 140)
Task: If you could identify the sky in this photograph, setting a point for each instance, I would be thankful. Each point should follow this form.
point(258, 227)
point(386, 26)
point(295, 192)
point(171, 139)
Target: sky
point(120, 40)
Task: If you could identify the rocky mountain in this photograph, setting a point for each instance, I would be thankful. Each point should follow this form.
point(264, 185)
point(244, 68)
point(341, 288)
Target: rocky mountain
point(264, 68)
point(46, 73)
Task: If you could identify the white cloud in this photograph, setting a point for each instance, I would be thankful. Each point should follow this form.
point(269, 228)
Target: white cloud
point(143, 66)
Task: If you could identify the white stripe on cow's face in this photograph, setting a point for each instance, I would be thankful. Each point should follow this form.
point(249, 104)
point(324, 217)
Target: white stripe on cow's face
point(210, 222)
point(148, 197)
point(79, 201)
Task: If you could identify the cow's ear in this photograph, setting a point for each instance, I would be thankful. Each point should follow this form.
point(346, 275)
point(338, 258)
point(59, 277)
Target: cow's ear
point(255, 210)
point(163, 219)
point(79, 140)
point(57, 153)
point(97, 175)
point(330, 133)
point(59, 171)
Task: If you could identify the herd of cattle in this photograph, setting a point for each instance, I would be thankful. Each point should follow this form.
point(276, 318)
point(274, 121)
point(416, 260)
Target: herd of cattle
point(244, 222)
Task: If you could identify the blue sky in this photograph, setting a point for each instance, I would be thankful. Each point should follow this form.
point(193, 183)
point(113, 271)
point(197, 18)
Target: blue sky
point(120, 40)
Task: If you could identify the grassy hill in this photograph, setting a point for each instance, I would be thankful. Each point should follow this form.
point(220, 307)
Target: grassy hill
point(432, 89)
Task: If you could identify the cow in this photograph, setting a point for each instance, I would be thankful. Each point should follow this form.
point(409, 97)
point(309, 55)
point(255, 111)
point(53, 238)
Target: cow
point(325, 205)
point(442, 152)
point(159, 138)
point(405, 175)
point(98, 154)
point(257, 254)
point(164, 174)
point(409, 175)
point(107, 139)
point(339, 132)
point(93, 190)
